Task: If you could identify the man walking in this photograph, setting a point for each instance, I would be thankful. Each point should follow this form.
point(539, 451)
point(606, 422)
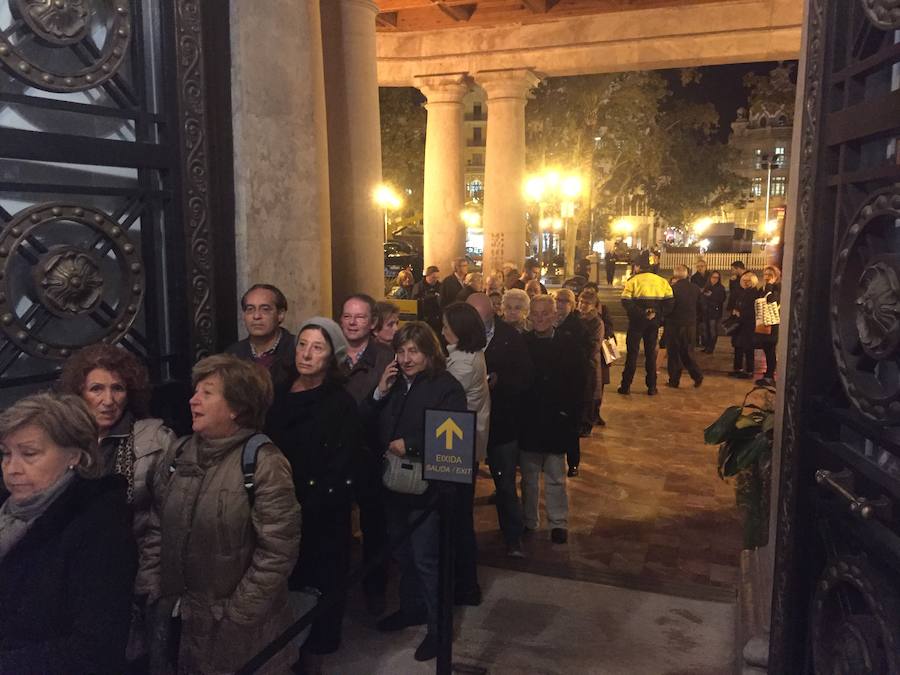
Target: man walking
point(267, 343)
point(363, 366)
point(509, 371)
point(681, 327)
point(647, 298)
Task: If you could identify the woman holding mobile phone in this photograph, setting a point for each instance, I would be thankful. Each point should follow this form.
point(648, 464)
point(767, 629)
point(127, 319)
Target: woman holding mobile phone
point(415, 381)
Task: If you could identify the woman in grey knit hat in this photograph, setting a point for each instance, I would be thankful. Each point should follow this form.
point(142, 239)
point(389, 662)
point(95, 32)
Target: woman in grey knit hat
point(316, 424)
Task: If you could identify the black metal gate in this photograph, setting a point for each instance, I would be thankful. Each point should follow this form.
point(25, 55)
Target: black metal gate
point(105, 186)
point(837, 579)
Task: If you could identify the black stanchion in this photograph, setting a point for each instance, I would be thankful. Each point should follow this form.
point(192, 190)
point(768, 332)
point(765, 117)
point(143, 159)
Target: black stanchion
point(328, 601)
point(445, 576)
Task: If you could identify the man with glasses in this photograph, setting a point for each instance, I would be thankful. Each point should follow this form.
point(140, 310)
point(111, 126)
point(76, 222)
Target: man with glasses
point(267, 343)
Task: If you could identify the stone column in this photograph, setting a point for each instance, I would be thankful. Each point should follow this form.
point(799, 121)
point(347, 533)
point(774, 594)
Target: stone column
point(445, 234)
point(504, 169)
point(354, 146)
point(282, 220)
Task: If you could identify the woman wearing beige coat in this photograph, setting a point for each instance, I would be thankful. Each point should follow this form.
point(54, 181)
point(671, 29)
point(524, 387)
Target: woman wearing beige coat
point(224, 560)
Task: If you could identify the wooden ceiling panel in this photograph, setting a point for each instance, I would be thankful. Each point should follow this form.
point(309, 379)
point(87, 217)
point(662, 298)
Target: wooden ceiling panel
point(422, 15)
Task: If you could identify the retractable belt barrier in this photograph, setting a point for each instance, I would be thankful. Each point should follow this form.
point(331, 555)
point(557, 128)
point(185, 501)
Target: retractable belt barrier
point(327, 601)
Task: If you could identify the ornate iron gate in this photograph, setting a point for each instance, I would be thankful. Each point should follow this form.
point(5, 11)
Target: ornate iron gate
point(105, 185)
point(837, 579)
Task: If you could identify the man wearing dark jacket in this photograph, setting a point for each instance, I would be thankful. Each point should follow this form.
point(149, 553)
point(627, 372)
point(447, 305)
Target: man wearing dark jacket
point(267, 343)
point(453, 283)
point(532, 272)
point(363, 367)
point(509, 375)
point(734, 285)
point(551, 412)
point(647, 298)
point(681, 327)
point(427, 292)
point(570, 325)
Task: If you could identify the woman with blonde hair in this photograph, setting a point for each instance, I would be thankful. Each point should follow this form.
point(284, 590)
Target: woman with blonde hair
point(67, 553)
point(745, 337)
point(229, 529)
point(771, 291)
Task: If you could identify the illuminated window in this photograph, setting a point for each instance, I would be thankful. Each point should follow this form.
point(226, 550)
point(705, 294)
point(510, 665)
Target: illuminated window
point(475, 188)
point(780, 157)
point(757, 157)
point(756, 187)
point(779, 185)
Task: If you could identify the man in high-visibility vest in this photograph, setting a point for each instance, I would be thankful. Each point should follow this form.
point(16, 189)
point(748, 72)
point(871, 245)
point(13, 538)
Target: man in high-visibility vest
point(647, 298)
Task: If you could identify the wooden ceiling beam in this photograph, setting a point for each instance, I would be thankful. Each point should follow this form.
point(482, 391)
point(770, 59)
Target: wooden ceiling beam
point(456, 12)
point(386, 20)
point(539, 6)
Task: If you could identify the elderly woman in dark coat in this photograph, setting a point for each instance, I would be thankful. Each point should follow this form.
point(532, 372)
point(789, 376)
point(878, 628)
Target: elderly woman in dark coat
point(67, 554)
point(227, 548)
point(316, 424)
point(415, 381)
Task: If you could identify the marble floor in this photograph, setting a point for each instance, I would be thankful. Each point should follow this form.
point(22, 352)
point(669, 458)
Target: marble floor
point(648, 510)
point(646, 583)
point(531, 624)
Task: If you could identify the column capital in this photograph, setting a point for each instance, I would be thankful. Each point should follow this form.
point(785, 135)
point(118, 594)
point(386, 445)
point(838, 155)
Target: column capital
point(443, 88)
point(513, 83)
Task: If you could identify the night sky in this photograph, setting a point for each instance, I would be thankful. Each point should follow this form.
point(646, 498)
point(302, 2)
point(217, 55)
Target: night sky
point(722, 86)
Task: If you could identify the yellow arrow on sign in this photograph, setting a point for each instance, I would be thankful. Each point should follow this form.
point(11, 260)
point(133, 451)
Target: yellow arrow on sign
point(449, 428)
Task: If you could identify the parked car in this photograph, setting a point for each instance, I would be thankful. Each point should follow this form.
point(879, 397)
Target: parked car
point(399, 255)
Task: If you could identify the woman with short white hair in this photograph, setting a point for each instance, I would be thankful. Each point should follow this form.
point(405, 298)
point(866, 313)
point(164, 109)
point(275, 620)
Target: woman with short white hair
point(515, 305)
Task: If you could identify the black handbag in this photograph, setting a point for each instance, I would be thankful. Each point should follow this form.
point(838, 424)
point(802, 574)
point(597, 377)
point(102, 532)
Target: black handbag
point(731, 324)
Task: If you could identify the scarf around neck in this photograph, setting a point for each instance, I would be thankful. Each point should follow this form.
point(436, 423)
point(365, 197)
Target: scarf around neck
point(17, 517)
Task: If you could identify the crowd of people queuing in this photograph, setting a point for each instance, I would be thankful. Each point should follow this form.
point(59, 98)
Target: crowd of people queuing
point(125, 549)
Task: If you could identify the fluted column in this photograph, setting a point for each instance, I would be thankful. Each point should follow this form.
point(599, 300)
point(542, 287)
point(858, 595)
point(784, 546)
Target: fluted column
point(504, 168)
point(354, 146)
point(282, 231)
point(445, 234)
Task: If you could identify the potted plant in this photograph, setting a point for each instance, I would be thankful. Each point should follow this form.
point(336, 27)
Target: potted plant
point(744, 435)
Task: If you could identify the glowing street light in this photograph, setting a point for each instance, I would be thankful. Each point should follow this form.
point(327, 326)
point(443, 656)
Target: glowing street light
point(622, 226)
point(386, 199)
point(701, 225)
point(534, 188)
point(770, 226)
point(571, 186)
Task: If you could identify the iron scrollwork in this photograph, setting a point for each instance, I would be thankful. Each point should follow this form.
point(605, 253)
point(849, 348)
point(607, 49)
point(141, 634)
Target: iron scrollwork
point(865, 309)
point(885, 14)
point(67, 24)
point(69, 281)
point(854, 619)
point(192, 109)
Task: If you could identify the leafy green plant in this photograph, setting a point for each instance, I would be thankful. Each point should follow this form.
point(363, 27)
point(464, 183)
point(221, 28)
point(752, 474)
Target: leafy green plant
point(744, 435)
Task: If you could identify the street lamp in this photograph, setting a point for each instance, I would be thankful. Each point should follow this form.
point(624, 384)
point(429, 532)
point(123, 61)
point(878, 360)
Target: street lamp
point(557, 193)
point(768, 165)
point(386, 199)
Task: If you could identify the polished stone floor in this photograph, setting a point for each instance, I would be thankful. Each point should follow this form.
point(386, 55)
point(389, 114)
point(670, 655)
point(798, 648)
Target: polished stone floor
point(534, 625)
point(648, 510)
